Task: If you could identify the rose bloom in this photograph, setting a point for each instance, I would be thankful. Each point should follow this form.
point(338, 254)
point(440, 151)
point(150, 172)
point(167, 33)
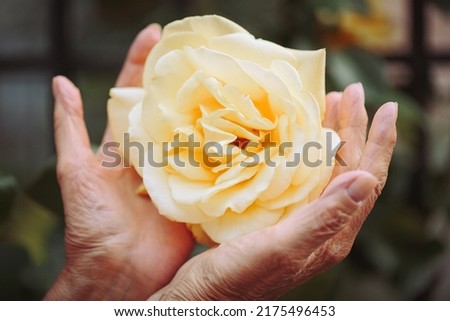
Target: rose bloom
point(239, 99)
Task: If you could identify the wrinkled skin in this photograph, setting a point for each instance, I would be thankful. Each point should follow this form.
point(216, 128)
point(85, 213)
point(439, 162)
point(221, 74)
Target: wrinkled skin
point(270, 262)
point(117, 244)
point(119, 247)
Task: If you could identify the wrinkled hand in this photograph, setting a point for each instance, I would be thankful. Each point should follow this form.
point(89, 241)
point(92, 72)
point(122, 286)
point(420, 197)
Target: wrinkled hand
point(119, 247)
point(267, 263)
point(117, 244)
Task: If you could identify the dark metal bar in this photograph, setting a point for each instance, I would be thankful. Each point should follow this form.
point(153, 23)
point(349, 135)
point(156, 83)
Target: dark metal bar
point(420, 89)
point(443, 57)
point(64, 65)
point(56, 61)
point(59, 45)
point(421, 82)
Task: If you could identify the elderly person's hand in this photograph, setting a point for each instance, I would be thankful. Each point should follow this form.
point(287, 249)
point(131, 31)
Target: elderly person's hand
point(267, 263)
point(119, 247)
point(117, 244)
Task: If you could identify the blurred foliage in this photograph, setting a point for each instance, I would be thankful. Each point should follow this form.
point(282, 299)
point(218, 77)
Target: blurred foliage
point(403, 251)
point(443, 4)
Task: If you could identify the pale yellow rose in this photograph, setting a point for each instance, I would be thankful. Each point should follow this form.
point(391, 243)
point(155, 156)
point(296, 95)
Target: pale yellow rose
point(209, 79)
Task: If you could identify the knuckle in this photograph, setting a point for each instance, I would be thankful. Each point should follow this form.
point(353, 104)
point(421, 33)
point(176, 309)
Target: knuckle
point(336, 215)
point(379, 189)
point(60, 173)
point(335, 253)
point(365, 118)
point(65, 171)
point(73, 103)
point(73, 170)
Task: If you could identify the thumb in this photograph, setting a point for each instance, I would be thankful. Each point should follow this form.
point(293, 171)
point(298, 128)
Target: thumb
point(310, 227)
point(131, 73)
point(73, 148)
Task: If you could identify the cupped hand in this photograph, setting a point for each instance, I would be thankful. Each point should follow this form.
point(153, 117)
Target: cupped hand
point(117, 244)
point(265, 264)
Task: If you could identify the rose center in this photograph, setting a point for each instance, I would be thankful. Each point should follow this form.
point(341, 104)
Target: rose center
point(240, 142)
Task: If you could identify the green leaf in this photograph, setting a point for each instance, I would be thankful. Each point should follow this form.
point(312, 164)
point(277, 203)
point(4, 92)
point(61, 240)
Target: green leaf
point(320, 287)
point(373, 247)
point(45, 189)
point(418, 279)
point(198, 249)
point(38, 279)
point(8, 191)
point(443, 5)
point(438, 134)
point(13, 260)
point(410, 116)
point(345, 67)
point(29, 225)
point(360, 6)
point(360, 284)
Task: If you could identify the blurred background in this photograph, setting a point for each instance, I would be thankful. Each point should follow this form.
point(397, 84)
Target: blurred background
point(399, 50)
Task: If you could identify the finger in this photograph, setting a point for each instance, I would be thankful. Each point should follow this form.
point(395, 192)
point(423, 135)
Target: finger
point(380, 144)
point(131, 73)
point(352, 120)
point(71, 137)
point(133, 68)
point(303, 232)
point(332, 111)
point(376, 158)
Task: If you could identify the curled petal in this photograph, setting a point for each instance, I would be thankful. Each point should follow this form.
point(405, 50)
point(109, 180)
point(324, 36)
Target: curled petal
point(232, 225)
point(250, 112)
point(119, 106)
point(206, 26)
point(311, 67)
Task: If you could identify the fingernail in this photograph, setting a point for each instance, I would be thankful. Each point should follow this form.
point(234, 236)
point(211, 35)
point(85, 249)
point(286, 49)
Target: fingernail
point(354, 92)
point(362, 187)
point(390, 111)
point(155, 27)
point(395, 107)
point(55, 87)
point(60, 86)
point(357, 87)
point(360, 88)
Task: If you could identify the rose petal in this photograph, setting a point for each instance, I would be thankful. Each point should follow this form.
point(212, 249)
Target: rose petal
point(167, 45)
point(281, 181)
point(207, 26)
point(138, 139)
point(288, 74)
point(191, 95)
point(235, 116)
point(164, 119)
point(230, 127)
point(191, 167)
point(215, 135)
point(292, 195)
point(186, 191)
point(232, 157)
point(280, 101)
point(210, 80)
point(308, 180)
point(223, 68)
point(245, 47)
point(239, 198)
point(232, 225)
point(119, 106)
point(234, 172)
point(311, 68)
point(156, 182)
point(308, 112)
